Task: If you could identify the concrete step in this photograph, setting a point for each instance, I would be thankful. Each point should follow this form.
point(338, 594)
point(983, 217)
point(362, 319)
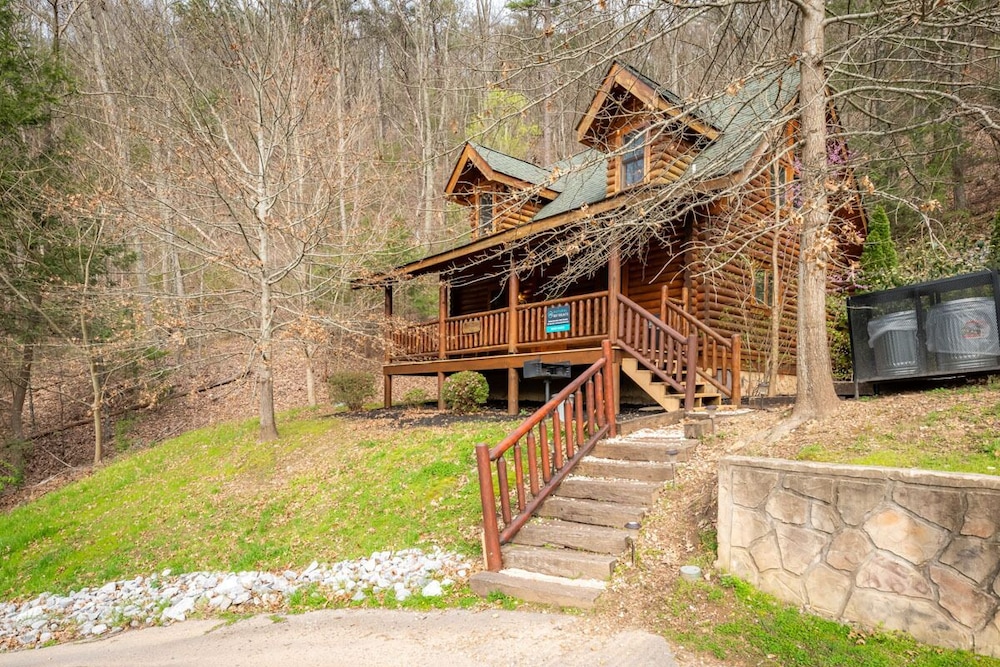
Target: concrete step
point(559, 562)
point(572, 535)
point(644, 471)
point(664, 450)
point(594, 512)
point(623, 491)
point(544, 589)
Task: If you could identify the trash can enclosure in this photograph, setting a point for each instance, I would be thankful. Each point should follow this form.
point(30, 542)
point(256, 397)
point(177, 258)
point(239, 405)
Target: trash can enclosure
point(942, 327)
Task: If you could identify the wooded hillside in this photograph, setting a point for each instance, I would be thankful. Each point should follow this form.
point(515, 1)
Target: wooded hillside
point(179, 174)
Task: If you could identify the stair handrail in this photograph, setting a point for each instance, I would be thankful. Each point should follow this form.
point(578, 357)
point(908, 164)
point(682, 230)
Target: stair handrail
point(709, 338)
point(591, 397)
point(670, 356)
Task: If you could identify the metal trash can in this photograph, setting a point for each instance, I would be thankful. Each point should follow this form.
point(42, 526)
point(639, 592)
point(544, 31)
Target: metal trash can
point(893, 338)
point(963, 334)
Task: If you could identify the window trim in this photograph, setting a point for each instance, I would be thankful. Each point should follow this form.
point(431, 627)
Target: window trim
point(484, 228)
point(631, 156)
point(763, 287)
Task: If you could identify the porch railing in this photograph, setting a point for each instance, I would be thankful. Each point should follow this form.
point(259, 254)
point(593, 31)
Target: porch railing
point(670, 356)
point(588, 318)
point(542, 451)
point(479, 332)
point(718, 356)
point(415, 341)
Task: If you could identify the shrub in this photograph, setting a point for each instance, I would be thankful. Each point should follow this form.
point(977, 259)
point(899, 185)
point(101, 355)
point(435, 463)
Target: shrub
point(465, 391)
point(415, 398)
point(352, 388)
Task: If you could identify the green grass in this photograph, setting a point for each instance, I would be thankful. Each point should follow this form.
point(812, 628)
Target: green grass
point(329, 489)
point(758, 630)
point(962, 437)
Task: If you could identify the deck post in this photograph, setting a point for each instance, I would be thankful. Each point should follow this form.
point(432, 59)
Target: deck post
point(491, 532)
point(441, 405)
point(513, 287)
point(442, 319)
point(610, 387)
point(736, 395)
point(387, 379)
point(513, 403)
point(614, 289)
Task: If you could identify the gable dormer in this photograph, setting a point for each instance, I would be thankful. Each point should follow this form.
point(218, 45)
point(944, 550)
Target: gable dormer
point(500, 191)
point(648, 134)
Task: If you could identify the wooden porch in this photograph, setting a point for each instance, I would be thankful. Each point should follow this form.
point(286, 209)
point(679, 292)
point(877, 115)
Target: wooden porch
point(672, 348)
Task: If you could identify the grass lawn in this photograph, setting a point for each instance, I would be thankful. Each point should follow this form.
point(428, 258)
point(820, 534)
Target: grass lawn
point(332, 488)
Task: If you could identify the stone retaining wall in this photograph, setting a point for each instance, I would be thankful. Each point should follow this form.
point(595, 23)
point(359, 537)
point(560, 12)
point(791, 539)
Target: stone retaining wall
point(904, 549)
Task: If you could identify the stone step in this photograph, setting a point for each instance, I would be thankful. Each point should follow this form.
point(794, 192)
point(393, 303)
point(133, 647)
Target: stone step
point(572, 535)
point(652, 449)
point(544, 589)
point(559, 562)
point(623, 491)
point(644, 471)
point(594, 512)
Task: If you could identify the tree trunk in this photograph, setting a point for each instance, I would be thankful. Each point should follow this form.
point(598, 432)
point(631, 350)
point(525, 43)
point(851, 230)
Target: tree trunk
point(21, 382)
point(816, 396)
point(310, 374)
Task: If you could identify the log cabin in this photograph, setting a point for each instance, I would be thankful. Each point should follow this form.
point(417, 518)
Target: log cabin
point(672, 234)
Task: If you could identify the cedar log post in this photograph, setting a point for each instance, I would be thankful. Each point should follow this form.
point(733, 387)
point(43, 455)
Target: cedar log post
point(610, 400)
point(736, 391)
point(513, 287)
point(387, 379)
point(614, 289)
point(491, 533)
point(442, 319)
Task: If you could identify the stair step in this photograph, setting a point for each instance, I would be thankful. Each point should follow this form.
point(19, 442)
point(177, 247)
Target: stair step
point(591, 511)
point(645, 471)
point(651, 449)
point(559, 562)
point(572, 535)
point(544, 589)
point(623, 491)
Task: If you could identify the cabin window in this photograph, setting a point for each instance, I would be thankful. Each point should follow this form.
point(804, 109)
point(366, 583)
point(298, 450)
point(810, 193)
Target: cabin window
point(633, 157)
point(762, 287)
point(485, 222)
point(782, 182)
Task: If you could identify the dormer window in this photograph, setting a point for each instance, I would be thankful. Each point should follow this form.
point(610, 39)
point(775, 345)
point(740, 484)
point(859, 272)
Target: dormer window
point(485, 223)
point(633, 157)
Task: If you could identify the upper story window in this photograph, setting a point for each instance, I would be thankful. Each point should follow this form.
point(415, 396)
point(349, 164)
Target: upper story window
point(485, 222)
point(633, 157)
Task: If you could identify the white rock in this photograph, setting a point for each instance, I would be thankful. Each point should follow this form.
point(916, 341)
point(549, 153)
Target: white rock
point(179, 611)
point(432, 590)
point(99, 629)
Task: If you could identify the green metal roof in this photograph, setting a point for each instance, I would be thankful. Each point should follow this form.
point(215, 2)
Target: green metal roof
point(512, 166)
point(744, 118)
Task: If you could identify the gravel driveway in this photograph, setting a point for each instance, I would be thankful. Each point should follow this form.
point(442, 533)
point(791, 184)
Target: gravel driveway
point(355, 638)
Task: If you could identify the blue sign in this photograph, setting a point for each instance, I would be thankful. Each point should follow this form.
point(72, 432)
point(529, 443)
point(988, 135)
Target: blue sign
point(557, 319)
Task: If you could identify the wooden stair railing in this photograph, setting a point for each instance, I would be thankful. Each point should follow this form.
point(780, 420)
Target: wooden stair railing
point(669, 355)
point(717, 354)
point(551, 449)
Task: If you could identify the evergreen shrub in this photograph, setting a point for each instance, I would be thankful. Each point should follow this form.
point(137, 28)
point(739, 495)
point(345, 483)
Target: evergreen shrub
point(465, 391)
point(352, 388)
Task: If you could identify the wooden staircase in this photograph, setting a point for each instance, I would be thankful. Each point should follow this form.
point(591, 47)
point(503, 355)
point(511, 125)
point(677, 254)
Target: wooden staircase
point(666, 396)
point(565, 555)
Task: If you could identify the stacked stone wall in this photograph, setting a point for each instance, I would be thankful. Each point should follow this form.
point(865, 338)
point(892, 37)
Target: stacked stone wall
point(902, 549)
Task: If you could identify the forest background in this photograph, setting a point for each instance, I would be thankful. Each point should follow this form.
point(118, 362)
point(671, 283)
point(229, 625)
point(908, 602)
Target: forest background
point(191, 180)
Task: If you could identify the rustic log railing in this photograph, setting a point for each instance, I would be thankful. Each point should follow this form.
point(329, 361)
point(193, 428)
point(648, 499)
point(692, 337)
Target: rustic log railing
point(718, 356)
point(478, 332)
point(415, 341)
point(670, 356)
point(588, 316)
point(544, 449)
